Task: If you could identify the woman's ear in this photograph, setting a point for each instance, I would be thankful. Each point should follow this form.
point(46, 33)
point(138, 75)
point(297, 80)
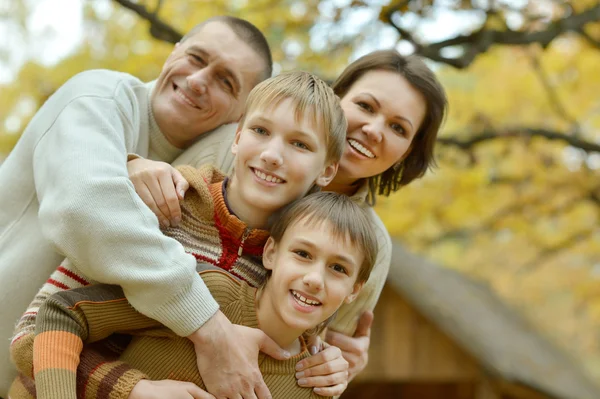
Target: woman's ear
point(327, 175)
point(269, 254)
point(355, 292)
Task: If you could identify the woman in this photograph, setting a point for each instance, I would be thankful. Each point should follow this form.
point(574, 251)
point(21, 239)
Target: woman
point(395, 107)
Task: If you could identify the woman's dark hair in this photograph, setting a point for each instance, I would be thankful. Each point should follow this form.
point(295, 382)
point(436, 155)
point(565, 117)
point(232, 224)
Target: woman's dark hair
point(419, 76)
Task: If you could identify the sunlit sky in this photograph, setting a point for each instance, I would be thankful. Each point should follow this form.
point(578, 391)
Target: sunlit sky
point(55, 29)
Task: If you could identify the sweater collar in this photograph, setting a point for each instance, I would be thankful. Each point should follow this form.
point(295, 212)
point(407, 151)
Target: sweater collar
point(160, 148)
point(253, 239)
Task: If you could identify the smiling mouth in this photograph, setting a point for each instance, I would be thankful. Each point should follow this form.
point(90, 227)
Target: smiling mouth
point(267, 177)
point(304, 302)
point(179, 93)
point(360, 148)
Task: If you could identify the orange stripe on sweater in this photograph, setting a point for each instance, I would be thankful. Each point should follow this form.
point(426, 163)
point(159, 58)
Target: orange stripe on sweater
point(65, 351)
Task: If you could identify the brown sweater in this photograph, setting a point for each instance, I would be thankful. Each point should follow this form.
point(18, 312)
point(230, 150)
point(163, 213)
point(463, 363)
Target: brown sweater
point(70, 319)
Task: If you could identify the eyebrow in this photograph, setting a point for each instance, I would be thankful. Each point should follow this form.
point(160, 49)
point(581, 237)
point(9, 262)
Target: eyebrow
point(269, 121)
point(395, 116)
point(346, 260)
point(236, 81)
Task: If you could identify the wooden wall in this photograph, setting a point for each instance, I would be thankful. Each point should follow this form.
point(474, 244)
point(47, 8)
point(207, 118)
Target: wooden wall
point(407, 347)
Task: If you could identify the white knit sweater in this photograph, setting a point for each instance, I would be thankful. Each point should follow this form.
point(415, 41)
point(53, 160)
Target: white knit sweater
point(65, 192)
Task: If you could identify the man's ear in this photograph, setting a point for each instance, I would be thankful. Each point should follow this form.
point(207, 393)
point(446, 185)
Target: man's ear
point(327, 174)
point(355, 292)
point(269, 254)
point(234, 146)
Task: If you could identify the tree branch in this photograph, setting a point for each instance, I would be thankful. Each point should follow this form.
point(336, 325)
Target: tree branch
point(481, 40)
point(158, 29)
point(552, 95)
point(487, 135)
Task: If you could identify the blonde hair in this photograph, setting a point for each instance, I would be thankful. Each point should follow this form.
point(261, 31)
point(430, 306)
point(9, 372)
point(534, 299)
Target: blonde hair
point(312, 96)
point(346, 220)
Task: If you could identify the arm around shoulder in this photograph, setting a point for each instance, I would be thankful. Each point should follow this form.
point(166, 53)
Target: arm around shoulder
point(90, 211)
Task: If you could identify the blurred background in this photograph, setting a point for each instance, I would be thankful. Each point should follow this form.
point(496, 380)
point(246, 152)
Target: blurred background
point(494, 290)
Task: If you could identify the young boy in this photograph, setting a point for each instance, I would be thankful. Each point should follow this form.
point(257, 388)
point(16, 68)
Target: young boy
point(319, 255)
point(290, 139)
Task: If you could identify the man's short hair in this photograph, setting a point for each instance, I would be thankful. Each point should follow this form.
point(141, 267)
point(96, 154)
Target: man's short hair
point(346, 219)
point(312, 97)
point(249, 34)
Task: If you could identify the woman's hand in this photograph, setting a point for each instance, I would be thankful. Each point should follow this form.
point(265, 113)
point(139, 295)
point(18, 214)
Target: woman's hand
point(160, 186)
point(146, 389)
point(356, 348)
point(326, 371)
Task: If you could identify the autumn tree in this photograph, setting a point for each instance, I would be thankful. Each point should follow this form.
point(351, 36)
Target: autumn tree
point(515, 199)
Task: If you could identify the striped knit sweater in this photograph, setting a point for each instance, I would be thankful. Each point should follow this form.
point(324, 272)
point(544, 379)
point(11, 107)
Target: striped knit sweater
point(208, 231)
point(71, 319)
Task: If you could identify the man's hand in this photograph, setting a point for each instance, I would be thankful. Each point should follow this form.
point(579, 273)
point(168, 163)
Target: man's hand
point(326, 371)
point(160, 186)
point(355, 349)
point(146, 389)
point(227, 356)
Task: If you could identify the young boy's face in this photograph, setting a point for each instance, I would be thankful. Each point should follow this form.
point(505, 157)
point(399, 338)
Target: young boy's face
point(278, 158)
point(313, 274)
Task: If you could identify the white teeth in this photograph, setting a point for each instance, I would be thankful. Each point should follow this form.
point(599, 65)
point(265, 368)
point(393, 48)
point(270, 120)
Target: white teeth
point(267, 177)
point(305, 301)
point(360, 148)
point(184, 98)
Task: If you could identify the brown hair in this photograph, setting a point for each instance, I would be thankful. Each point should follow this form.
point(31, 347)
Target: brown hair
point(347, 220)
point(419, 76)
point(249, 34)
point(311, 95)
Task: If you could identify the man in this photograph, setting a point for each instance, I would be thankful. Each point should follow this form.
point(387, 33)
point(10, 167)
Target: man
point(66, 193)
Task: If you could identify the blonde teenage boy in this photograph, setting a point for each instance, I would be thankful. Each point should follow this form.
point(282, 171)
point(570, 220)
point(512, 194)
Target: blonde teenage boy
point(319, 255)
point(290, 139)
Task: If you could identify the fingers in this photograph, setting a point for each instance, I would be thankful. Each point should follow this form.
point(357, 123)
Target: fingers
point(363, 329)
point(335, 390)
point(314, 344)
point(197, 392)
point(146, 196)
point(324, 381)
point(269, 347)
point(170, 198)
point(181, 185)
point(324, 357)
point(348, 344)
point(262, 392)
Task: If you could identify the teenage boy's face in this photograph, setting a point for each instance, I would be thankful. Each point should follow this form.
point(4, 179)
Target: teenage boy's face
point(313, 274)
point(278, 158)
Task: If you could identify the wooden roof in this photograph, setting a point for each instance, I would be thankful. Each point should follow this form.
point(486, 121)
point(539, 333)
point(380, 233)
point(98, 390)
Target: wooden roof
point(486, 327)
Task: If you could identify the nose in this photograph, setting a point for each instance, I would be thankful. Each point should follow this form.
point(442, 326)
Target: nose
point(272, 155)
point(314, 279)
point(374, 129)
point(198, 81)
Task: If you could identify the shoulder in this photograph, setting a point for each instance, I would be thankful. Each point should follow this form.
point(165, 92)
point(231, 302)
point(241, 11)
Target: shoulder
point(101, 82)
point(225, 288)
point(99, 90)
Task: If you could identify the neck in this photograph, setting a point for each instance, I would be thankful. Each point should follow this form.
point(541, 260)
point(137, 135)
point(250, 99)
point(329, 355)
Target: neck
point(341, 186)
point(254, 217)
point(271, 323)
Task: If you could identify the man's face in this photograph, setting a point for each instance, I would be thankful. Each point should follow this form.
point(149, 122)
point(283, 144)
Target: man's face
point(204, 83)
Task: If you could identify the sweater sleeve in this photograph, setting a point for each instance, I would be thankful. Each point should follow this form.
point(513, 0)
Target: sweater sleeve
point(68, 320)
point(347, 317)
point(91, 213)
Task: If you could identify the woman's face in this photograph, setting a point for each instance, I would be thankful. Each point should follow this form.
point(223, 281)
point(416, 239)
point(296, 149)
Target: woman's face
point(384, 114)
